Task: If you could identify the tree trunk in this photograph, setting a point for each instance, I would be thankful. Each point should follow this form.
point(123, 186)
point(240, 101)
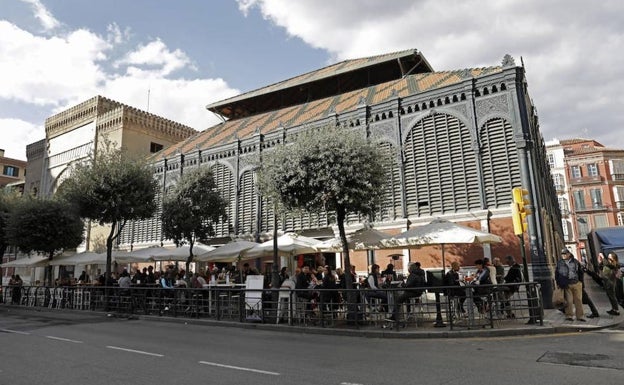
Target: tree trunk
point(275, 270)
point(109, 258)
point(50, 268)
point(352, 297)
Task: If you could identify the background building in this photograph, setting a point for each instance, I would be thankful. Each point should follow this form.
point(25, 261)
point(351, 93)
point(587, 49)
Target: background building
point(74, 134)
point(13, 172)
point(459, 142)
point(591, 196)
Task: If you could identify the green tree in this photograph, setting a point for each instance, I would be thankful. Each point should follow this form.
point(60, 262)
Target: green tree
point(7, 203)
point(330, 169)
point(192, 208)
point(44, 226)
point(111, 188)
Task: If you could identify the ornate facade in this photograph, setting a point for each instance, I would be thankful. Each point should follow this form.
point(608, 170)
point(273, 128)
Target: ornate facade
point(459, 141)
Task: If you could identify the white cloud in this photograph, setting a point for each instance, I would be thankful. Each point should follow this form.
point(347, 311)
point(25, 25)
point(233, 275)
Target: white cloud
point(156, 57)
point(572, 51)
point(116, 35)
point(180, 100)
point(43, 70)
point(63, 69)
point(47, 20)
point(15, 134)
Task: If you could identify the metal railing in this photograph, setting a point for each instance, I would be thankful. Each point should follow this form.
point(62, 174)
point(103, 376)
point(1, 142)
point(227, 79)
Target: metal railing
point(459, 307)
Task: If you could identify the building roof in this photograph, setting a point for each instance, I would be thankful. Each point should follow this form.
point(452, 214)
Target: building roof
point(299, 114)
point(332, 80)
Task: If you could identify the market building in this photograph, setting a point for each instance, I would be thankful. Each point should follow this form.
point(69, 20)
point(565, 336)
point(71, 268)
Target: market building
point(459, 141)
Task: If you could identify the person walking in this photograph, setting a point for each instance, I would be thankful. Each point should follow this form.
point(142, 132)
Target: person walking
point(569, 277)
point(609, 271)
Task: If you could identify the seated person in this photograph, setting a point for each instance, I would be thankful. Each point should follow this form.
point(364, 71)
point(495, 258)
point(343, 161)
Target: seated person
point(482, 278)
point(451, 278)
point(373, 283)
point(416, 279)
point(389, 274)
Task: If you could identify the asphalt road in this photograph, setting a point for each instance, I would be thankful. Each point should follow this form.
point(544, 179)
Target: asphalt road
point(92, 349)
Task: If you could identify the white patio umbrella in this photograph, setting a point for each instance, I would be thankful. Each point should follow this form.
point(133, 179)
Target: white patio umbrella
point(230, 252)
point(362, 239)
point(144, 255)
point(28, 261)
point(439, 232)
point(288, 244)
point(181, 253)
point(82, 258)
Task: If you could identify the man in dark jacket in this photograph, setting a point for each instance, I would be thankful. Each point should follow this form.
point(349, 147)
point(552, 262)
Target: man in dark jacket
point(569, 277)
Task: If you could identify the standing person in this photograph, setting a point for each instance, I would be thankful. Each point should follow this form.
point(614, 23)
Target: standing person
point(488, 265)
point(500, 269)
point(330, 296)
point(585, 297)
point(569, 277)
point(609, 271)
point(17, 290)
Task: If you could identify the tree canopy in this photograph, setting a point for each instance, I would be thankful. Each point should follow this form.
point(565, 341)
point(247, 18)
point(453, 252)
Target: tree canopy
point(111, 188)
point(7, 203)
point(44, 226)
point(332, 169)
point(191, 209)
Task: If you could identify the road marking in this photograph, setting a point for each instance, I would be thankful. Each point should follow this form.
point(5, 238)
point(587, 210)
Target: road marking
point(349, 383)
point(239, 368)
point(63, 339)
point(14, 331)
point(136, 351)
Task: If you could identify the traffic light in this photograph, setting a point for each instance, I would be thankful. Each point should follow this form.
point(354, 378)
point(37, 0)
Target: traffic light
point(519, 209)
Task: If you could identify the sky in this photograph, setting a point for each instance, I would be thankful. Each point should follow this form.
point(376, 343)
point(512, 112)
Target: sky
point(173, 57)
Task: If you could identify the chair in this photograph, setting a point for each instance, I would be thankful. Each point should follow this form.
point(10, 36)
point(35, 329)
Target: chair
point(254, 286)
point(373, 309)
point(285, 298)
point(56, 298)
point(24, 295)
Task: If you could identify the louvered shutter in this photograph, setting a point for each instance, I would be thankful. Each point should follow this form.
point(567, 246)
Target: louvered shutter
point(247, 204)
point(225, 184)
point(501, 168)
point(440, 167)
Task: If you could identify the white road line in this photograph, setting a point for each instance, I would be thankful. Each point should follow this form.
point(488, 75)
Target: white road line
point(239, 368)
point(136, 351)
point(349, 383)
point(63, 339)
point(14, 331)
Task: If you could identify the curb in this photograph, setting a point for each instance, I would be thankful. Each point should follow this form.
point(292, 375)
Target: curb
point(546, 329)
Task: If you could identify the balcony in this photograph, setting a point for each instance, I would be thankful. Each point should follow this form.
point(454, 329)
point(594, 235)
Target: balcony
point(584, 180)
point(560, 188)
point(592, 209)
point(617, 177)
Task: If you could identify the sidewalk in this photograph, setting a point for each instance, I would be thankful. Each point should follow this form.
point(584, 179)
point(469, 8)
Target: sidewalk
point(556, 319)
point(554, 322)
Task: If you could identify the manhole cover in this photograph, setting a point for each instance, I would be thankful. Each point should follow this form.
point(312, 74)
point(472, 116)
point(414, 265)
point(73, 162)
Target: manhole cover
point(581, 359)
